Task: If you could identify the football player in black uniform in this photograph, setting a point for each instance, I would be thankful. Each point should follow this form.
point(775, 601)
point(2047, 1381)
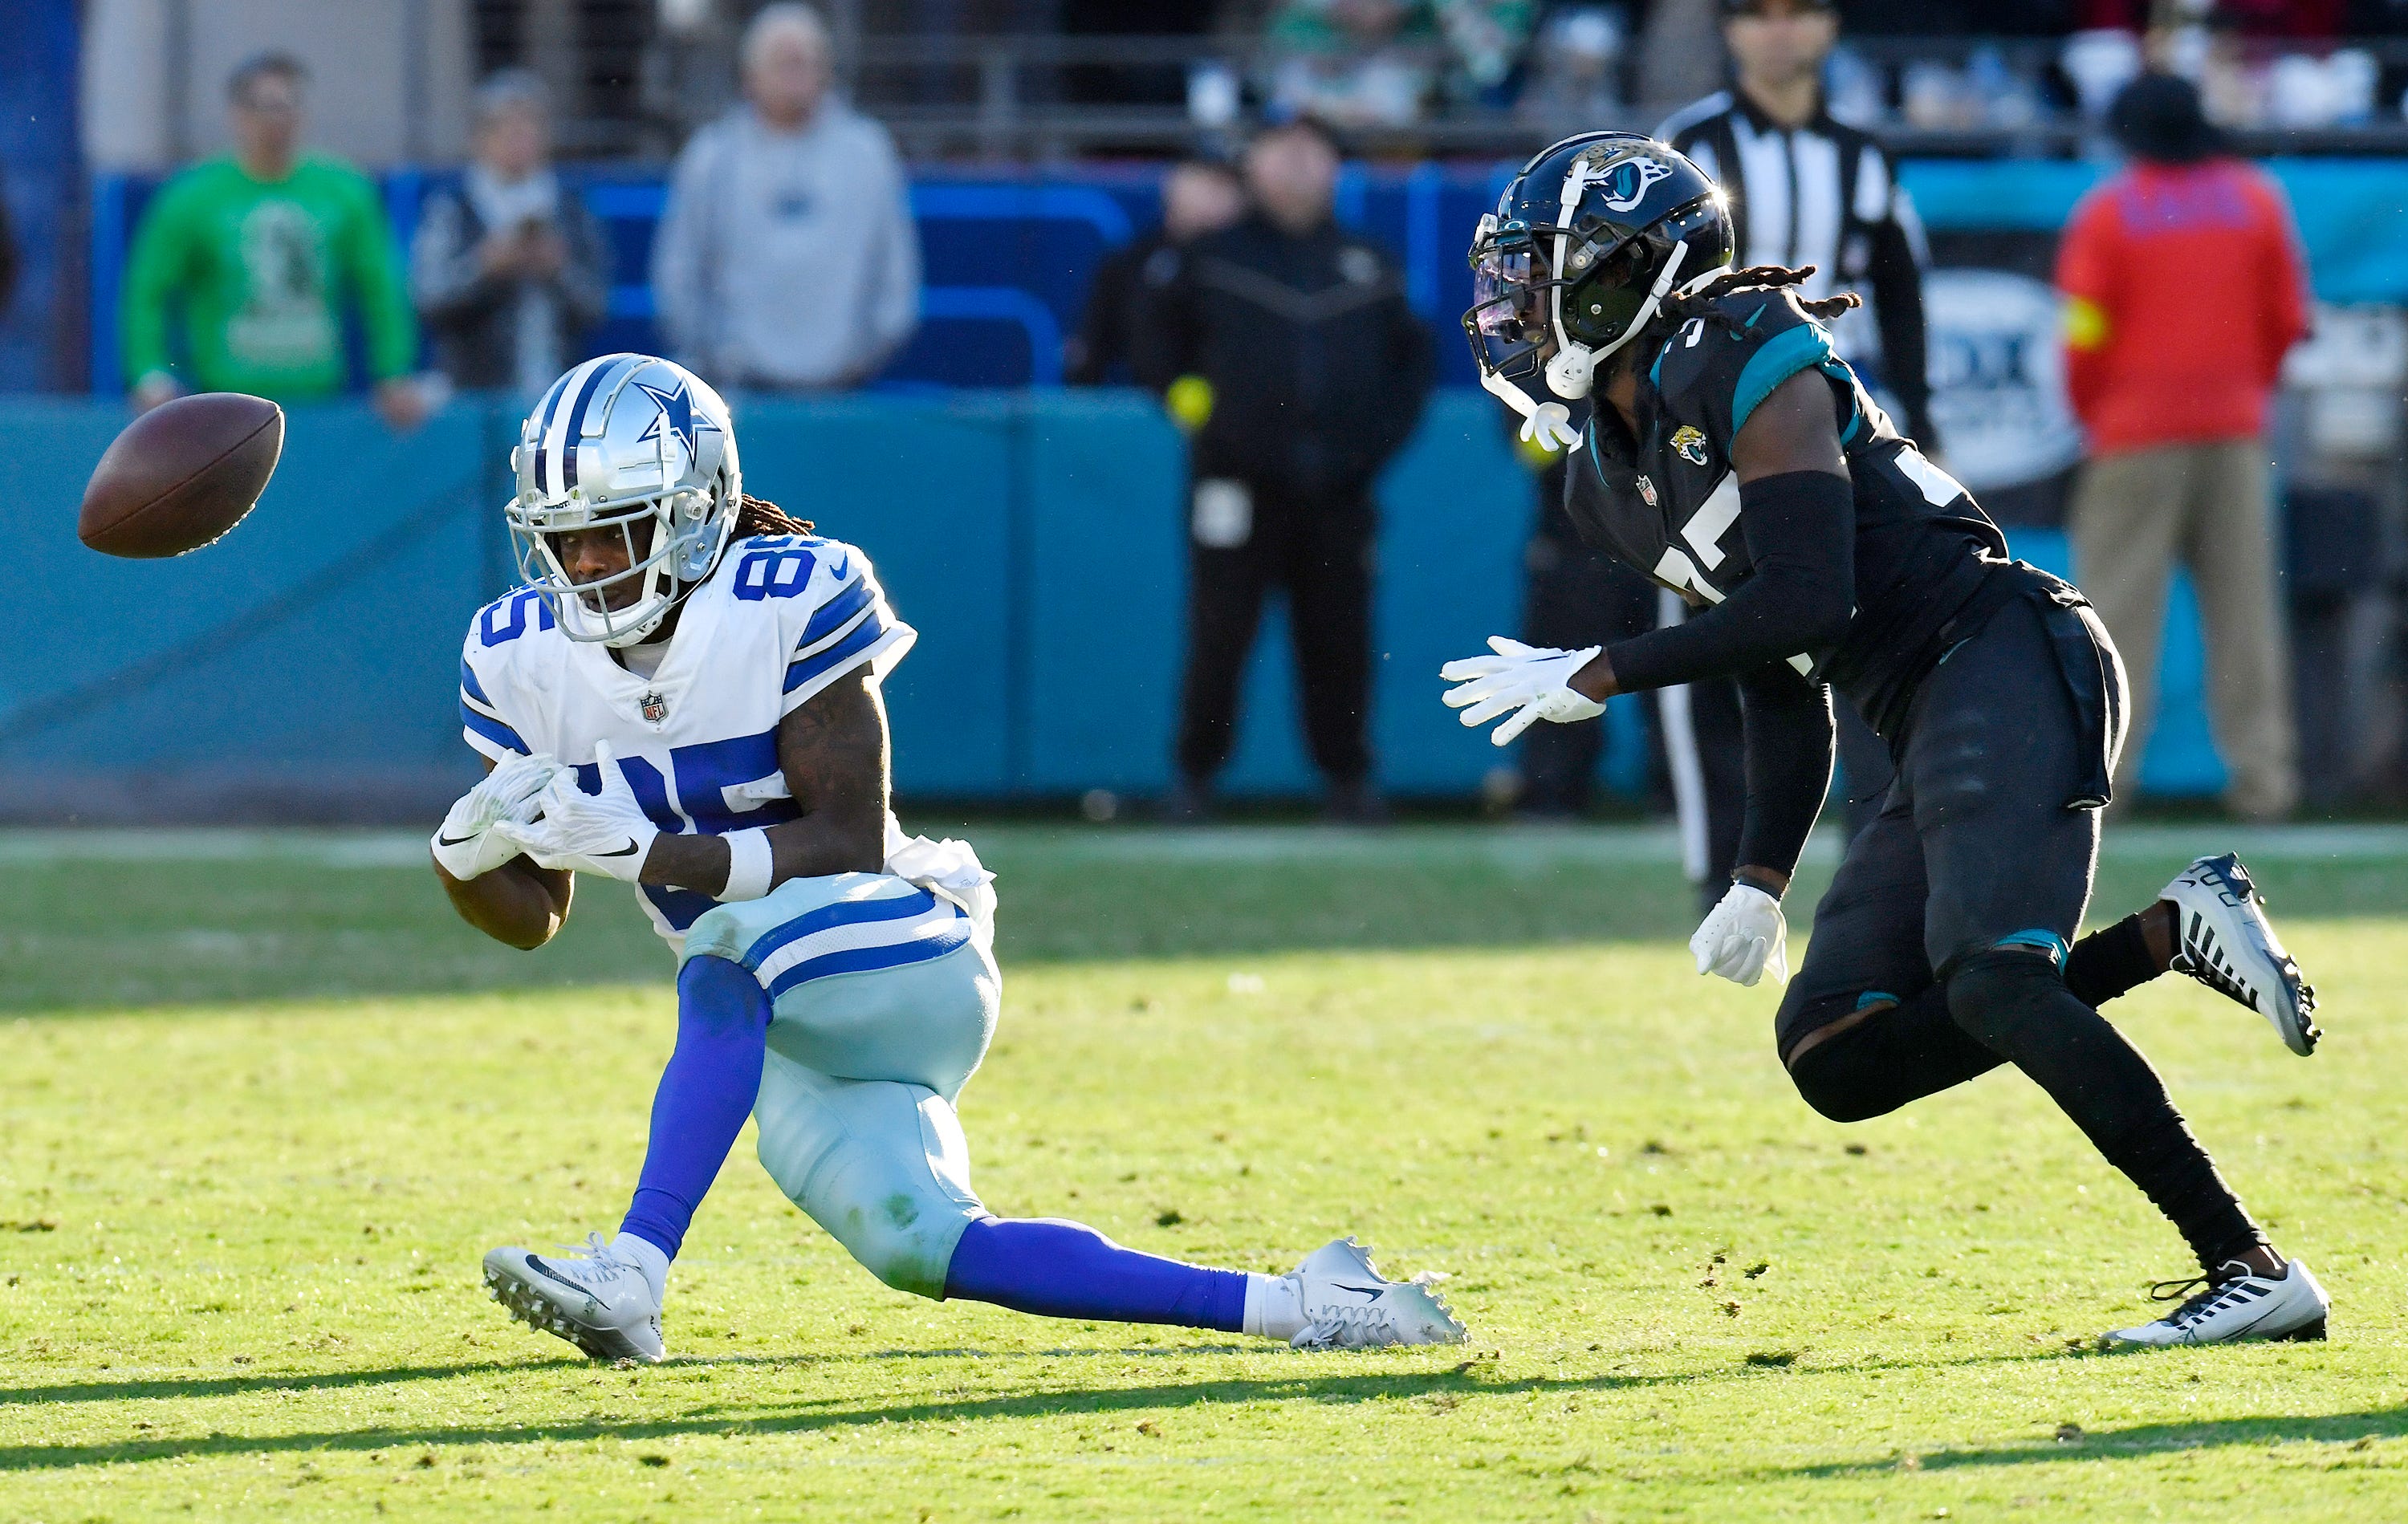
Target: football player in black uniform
point(1733, 457)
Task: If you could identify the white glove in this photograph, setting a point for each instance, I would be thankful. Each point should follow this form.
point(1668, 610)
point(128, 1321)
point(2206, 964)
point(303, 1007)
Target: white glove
point(1743, 938)
point(1534, 679)
point(1549, 426)
point(467, 846)
point(608, 833)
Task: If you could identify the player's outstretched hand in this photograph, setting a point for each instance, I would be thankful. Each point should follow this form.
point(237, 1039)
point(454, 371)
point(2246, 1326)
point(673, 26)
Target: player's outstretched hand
point(466, 845)
point(1534, 680)
point(608, 833)
point(1743, 938)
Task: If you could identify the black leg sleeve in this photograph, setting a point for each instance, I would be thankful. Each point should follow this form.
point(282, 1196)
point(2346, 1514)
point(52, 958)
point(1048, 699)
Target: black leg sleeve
point(2015, 1003)
point(2111, 961)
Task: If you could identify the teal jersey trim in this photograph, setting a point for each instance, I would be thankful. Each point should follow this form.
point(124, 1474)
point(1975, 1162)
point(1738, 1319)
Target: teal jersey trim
point(1783, 356)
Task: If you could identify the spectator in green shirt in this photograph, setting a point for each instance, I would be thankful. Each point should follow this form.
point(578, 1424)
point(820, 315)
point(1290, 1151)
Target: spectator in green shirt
point(258, 255)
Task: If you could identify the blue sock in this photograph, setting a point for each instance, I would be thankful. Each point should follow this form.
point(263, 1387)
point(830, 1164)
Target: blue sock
point(1057, 1269)
point(705, 1095)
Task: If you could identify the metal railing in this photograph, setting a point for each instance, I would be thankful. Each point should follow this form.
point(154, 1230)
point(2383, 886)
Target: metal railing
point(1019, 97)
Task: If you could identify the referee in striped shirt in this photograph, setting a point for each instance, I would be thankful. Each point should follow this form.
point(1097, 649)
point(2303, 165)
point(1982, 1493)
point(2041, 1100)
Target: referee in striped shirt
point(1804, 190)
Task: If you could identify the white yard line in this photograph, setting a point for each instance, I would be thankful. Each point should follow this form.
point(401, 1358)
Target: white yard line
point(1507, 846)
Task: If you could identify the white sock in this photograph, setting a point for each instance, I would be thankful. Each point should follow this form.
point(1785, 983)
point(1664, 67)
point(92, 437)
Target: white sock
point(646, 1256)
point(1274, 1307)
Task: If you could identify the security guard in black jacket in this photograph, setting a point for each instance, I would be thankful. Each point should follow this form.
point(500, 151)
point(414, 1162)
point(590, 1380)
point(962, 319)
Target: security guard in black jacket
point(1284, 346)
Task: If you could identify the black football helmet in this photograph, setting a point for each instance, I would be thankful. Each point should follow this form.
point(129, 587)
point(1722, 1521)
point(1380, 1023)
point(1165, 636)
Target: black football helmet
point(1578, 257)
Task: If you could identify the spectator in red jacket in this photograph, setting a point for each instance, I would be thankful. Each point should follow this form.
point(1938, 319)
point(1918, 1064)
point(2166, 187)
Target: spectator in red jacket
point(2184, 289)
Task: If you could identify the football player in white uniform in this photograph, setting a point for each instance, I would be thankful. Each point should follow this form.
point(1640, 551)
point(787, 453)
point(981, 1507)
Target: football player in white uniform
point(686, 695)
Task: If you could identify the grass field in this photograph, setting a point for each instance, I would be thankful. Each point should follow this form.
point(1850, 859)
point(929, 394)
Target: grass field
point(263, 1105)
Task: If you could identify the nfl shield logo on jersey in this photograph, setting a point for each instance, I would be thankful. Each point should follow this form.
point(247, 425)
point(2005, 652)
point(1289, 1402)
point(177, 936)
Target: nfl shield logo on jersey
point(1648, 489)
point(655, 707)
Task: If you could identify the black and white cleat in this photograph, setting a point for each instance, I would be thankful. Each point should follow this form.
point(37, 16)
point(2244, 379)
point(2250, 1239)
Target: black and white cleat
point(2238, 1303)
point(2224, 941)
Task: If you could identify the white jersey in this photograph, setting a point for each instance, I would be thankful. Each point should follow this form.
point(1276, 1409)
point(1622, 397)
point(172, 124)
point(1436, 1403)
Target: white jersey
point(779, 620)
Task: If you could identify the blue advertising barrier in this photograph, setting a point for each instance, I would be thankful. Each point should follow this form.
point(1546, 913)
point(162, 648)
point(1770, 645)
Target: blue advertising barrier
point(306, 667)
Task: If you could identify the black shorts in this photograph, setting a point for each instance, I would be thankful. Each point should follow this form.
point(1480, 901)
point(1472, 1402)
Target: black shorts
point(1990, 828)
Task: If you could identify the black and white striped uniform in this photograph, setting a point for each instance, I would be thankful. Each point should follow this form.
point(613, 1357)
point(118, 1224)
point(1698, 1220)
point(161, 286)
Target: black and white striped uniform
point(1822, 194)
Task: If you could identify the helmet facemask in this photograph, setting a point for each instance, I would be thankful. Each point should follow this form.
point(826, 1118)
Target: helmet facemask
point(670, 547)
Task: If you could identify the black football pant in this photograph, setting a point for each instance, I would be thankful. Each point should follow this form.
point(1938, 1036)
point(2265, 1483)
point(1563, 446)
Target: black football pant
point(1319, 549)
point(1955, 907)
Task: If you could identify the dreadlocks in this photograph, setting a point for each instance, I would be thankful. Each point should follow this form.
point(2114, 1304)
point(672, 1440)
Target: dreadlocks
point(755, 516)
point(1699, 303)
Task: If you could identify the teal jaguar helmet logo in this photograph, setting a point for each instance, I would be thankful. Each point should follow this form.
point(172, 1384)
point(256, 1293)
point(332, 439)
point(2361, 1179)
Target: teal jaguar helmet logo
point(1690, 444)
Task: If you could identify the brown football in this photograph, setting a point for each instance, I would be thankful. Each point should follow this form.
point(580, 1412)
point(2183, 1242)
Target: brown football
point(182, 475)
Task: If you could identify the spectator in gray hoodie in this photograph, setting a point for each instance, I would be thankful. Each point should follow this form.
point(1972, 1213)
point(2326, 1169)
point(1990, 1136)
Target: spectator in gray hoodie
point(787, 258)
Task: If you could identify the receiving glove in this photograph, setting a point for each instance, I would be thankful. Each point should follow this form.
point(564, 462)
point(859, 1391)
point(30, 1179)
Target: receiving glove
point(1743, 938)
point(467, 846)
point(1534, 679)
point(608, 833)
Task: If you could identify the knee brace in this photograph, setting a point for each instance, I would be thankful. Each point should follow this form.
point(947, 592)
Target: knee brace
point(882, 1166)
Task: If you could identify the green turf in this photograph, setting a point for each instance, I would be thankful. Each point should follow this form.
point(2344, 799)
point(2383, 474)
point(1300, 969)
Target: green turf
point(238, 1235)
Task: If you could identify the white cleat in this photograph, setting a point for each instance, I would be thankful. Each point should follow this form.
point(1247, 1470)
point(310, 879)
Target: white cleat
point(600, 1304)
point(2238, 1303)
point(1348, 1306)
point(2226, 943)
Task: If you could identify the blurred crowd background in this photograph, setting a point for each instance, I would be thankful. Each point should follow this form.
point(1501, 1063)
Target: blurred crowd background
point(1125, 336)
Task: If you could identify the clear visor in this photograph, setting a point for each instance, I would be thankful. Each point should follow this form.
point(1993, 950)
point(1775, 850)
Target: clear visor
point(1506, 296)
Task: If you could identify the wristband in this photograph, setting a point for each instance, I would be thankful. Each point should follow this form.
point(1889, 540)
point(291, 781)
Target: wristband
point(749, 867)
point(1758, 883)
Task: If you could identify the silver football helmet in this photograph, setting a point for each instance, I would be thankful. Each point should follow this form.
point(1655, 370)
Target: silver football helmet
point(635, 443)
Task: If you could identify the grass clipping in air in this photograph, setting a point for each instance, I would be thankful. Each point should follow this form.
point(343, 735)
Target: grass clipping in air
point(240, 1239)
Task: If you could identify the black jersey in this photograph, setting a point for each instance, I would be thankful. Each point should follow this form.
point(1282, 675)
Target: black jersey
point(1668, 502)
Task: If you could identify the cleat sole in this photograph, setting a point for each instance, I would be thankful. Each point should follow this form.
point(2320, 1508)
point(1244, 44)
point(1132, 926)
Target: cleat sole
point(525, 1305)
point(2305, 1333)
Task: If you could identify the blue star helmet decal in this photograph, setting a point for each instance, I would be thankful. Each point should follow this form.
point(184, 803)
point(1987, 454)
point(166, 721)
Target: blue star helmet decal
point(678, 416)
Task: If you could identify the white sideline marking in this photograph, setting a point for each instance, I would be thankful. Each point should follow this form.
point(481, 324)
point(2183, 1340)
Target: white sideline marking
point(1507, 846)
point(181, 844)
